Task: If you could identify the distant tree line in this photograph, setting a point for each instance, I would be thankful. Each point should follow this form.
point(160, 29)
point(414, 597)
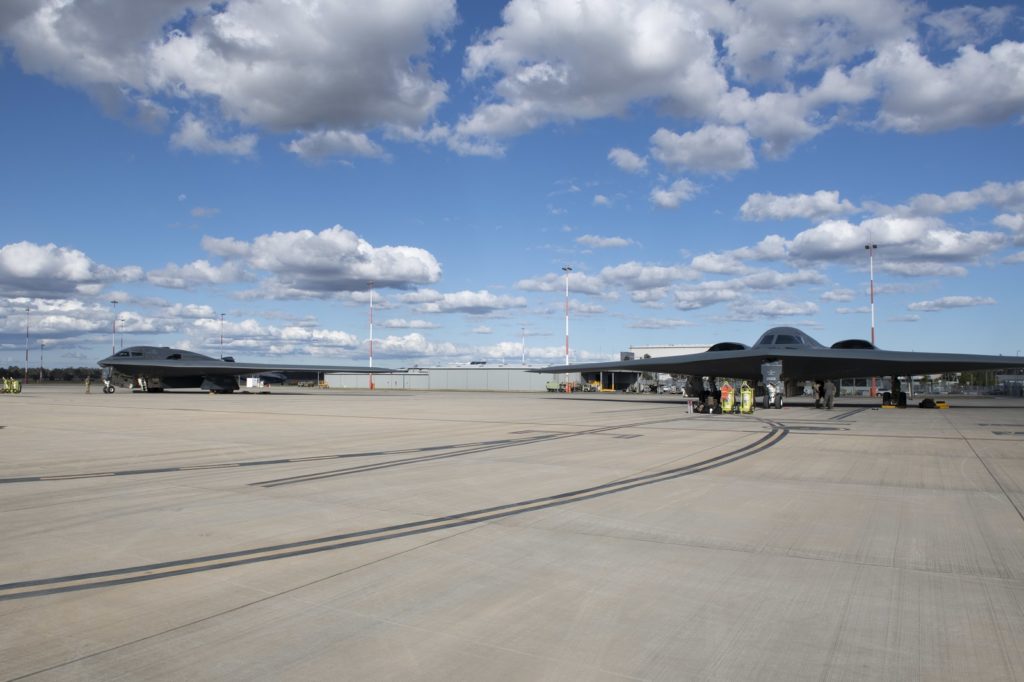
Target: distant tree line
point(69, 374)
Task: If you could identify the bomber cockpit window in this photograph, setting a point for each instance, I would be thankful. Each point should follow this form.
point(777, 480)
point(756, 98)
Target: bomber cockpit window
point(136, 354)
point(788, 339)
point(174, 356)
point(766, 340)
point(122, 354)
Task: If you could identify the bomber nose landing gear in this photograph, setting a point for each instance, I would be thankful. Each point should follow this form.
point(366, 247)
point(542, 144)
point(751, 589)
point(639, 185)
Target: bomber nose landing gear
point(108, 387)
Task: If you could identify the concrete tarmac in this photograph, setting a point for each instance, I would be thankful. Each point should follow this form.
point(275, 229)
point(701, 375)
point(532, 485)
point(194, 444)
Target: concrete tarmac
point(310, 535)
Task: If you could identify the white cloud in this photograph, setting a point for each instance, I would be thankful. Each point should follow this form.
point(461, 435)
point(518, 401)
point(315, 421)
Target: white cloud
point(769, 41)
point(627, 160)
point(280, 67)
point(703, 295)
point(204, 212)
point(719, 263)
point(195, 135)
point(28, 269)
point(967, 25)
point(822, 204)
point(898, 238)
point(598, 242)
point(712, 149)
point(579, 283)
point(307, 263)
point(399, 323)
point(976, 88)
point(1006, 196)
point(923, 269)
point(678, 192)
point(471, 302)
point(638, 276)
point(196, 273)
point(482, 329)
point(839, 295)
point(658, 323)
point(947, 302)
point(860, 310)
point(328, 143)
point(602, 200)
point(773, 308)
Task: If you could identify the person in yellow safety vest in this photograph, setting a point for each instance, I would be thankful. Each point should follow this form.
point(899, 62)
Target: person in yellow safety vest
point(746, 399)
point(728, 398)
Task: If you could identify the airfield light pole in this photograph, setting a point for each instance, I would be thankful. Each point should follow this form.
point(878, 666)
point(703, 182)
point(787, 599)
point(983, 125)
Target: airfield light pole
point(27, 313)
point(222, 336)
point(371, 334)
point(42, 344)
point(524, 345)
point(567, 269)
point(113, 328)
point(871, 268)
point(120, 321)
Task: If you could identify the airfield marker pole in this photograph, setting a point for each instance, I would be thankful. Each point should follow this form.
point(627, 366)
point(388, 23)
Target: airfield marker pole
point(222, 336)
point(567, 269)
point(42, 344)
point(871, 267)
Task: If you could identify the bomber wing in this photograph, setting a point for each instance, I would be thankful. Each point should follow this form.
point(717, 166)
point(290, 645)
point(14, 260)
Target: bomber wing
point(801, 364)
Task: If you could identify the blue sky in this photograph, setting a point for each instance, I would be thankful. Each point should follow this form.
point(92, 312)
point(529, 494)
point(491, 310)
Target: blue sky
point(708, 169)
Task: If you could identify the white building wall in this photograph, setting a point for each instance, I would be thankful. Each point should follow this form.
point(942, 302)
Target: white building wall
point(448, 379)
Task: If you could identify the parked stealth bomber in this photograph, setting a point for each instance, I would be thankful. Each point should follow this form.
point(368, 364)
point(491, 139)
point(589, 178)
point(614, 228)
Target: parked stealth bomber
point(152, 368)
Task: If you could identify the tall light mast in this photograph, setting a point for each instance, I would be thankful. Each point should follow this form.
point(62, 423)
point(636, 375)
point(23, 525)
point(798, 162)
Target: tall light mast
point(371, 334)
point(870, 247)
point(113, 328)
point(27, 313)
point(567, 269)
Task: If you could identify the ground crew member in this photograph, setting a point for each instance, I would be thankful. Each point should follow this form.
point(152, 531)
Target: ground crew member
point(88, 384)
point(830, 393)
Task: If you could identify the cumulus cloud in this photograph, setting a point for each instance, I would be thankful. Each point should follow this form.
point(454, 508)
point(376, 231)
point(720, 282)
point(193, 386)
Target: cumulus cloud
point(598, 242)
point(196, 273)
point(602, 200)
point(579, 282)
point(658, 323)
point(839, 295)
point(898, 238)
point(966, 25)
point(675, 194)
point(712, 149)
point(327, 143)
point(947, 302)
point(755, 309)
point(196, 136)
point(306, 263)
point(627, 160)
point(822, 204)
point(48, 270)
point(471, 302)
point(976, 88)
point(923, 269)
point(637, 276)
point(399, 323)
point(280, 67)
point(703, 295)
point(1004, 196)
